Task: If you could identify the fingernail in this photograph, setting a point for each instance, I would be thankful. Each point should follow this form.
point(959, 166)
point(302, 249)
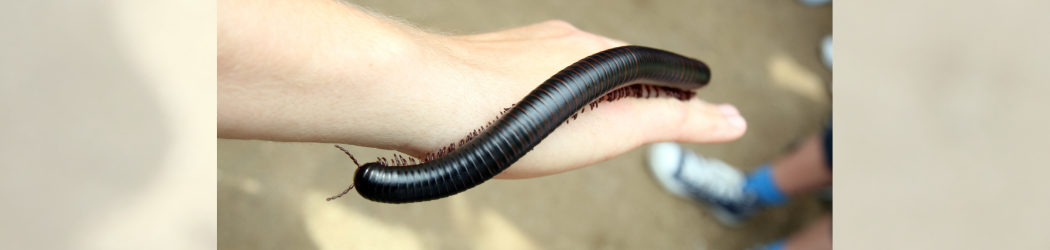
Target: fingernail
point(732, 115)
point(737, 121)
point(729, 110)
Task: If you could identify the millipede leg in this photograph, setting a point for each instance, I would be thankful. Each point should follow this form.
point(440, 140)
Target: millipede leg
point(341, 195)
point(348, 153)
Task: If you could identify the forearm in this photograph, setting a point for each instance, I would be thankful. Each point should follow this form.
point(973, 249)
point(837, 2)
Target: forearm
point(307, 70)
point(322, 71)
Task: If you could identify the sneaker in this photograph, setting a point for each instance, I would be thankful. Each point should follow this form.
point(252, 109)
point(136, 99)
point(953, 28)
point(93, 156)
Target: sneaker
point(707, 181)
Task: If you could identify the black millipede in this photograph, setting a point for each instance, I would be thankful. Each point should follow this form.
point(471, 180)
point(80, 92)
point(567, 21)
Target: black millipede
point(629, 71)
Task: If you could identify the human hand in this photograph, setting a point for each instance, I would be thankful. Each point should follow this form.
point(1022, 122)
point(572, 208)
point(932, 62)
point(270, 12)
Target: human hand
point(392, 87)
point(522, 58)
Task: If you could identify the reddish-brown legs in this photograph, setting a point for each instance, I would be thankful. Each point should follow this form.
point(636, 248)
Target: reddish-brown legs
point(636, 91)
point(521, 128)
point(351, 185)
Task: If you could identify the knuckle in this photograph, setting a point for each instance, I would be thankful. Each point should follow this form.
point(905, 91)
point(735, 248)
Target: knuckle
point(562, 24)
point(591, 41)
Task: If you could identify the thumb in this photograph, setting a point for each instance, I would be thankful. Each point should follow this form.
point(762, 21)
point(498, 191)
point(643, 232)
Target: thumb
point(667, 119)
point(615, 128)
point(701, 122)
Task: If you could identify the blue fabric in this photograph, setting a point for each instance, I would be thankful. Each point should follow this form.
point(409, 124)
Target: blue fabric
point(779, 245)
point(827, 145)
point(765, 189)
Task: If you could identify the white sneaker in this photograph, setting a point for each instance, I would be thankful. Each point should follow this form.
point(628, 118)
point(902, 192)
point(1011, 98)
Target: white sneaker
point(707, 181)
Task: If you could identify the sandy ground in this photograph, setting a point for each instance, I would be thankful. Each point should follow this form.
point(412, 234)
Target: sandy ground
point(765, 61)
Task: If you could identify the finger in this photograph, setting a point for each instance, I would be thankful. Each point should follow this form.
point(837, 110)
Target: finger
point(704, 123)
point(643, 121)
point(615, 128)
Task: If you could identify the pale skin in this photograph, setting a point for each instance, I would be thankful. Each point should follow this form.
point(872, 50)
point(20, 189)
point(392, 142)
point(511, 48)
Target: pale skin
point(805, 170)
point(323, 71)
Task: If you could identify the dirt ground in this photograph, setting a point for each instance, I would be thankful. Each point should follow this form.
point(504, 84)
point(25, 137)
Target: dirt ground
point(764, 60)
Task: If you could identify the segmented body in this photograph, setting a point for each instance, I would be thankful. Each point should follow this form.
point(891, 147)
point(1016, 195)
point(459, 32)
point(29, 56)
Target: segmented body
point(605, 76)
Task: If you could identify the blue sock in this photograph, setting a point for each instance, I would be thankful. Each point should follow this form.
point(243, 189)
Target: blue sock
point(779, 245)
point(761, 184)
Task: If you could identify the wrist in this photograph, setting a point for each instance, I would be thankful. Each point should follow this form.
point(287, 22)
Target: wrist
point(300, 77)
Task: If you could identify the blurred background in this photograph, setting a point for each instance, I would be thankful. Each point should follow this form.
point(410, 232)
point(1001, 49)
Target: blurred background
point(941, 125)
point(765, 60)
point(107, 124)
